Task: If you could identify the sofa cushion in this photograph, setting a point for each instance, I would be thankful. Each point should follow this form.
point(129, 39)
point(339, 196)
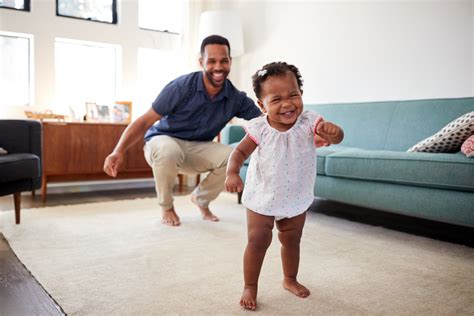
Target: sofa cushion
point(18, 167)
point(323, 152)
point(392, 125)
point(467, 147)
point(450, 138)
point(448, 171)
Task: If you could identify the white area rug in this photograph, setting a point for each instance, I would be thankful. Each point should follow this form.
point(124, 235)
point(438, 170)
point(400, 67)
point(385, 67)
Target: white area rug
point(116, 258)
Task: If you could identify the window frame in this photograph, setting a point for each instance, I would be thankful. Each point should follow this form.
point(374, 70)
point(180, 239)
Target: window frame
point(31, 58)
point(114, 14)
point(27, 6)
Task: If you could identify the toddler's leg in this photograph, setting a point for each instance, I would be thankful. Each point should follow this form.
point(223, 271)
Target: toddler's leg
point(259, 230)
point(290, 231)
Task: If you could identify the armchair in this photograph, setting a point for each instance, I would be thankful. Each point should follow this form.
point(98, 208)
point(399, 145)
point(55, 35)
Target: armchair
point(20, 168)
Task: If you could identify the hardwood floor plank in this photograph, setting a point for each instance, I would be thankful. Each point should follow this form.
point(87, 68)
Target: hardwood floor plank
point(20, 293)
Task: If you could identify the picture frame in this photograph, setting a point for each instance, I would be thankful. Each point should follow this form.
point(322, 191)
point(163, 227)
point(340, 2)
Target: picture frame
point(92, 112)
point(121, 112)
point(104, 113)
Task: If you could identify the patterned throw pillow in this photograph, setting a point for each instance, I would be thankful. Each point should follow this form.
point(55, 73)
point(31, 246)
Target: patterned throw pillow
point(449, 138)
point(468, 147)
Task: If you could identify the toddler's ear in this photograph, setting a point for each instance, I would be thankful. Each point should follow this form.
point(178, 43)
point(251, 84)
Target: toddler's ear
point(260, 104)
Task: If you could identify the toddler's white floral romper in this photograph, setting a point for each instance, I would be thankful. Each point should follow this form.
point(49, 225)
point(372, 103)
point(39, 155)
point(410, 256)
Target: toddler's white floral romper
point(282, 170)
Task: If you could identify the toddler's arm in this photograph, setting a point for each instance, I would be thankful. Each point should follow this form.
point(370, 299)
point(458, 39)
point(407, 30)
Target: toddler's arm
point(332, 133)
point(233, 182)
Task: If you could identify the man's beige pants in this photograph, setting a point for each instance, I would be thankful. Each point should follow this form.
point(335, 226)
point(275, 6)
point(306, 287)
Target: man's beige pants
point(168, 156)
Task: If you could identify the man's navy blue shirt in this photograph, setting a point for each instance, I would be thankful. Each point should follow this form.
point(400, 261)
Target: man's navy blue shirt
point(188, 113)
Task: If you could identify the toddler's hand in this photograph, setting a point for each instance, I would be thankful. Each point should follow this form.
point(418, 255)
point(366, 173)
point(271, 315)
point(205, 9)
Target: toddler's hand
point(233, 183)
point(329, 131)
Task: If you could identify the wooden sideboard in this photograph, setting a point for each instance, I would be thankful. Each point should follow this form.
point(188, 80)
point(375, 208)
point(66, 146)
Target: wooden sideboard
point(76, 151)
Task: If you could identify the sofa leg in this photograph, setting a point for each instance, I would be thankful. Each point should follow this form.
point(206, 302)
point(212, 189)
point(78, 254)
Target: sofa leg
point(17, 201)
point(239, 197)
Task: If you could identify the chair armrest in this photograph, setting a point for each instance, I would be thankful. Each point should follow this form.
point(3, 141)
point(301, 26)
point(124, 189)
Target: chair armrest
point(232, 134)
point(21, 136)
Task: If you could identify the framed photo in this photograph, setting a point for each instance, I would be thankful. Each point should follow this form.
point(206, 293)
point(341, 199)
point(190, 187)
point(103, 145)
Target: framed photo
point(104, 113)
point(92, 112)
point(121, 112)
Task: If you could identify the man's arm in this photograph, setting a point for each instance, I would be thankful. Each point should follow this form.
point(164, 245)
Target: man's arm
point(233, 182)
point(132, 134)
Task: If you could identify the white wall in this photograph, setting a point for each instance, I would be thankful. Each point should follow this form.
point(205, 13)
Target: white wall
point(43, 23)
point(351, 51)
point(347, 51)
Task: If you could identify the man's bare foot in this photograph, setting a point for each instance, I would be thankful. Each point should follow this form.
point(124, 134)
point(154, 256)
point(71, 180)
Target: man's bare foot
point(249, 298)
point(205, 211)
point(170, 218)
point(296, 288)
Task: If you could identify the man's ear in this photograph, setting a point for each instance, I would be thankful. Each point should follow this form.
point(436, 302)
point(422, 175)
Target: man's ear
point(201, 61)
point(260, 104)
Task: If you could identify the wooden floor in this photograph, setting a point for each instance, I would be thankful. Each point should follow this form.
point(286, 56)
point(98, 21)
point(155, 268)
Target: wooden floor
point(20, 293)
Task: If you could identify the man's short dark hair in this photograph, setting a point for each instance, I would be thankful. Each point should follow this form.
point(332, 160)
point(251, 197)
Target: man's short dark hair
point(214, 39)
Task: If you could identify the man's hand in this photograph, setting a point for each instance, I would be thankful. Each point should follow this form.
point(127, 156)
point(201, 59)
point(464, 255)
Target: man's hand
point(233, 183)
point(330, 132)
point(112, 164)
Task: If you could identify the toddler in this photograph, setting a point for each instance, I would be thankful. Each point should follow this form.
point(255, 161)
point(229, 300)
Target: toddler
point(280, 178)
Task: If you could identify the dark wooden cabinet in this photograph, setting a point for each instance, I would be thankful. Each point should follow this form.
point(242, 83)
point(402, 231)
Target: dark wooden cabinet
point(76, 151)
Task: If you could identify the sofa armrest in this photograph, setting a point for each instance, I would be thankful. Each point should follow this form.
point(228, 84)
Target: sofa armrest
point(232, 134)
point(21, 136)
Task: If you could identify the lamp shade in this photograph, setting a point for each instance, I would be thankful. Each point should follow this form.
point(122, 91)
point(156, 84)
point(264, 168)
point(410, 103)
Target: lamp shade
point(223, 23)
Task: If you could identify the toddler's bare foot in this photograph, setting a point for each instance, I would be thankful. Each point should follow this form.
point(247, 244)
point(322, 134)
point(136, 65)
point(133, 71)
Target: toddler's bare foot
point(170, 218)
point(296, 288)
point(249, 298)
point(205, 211)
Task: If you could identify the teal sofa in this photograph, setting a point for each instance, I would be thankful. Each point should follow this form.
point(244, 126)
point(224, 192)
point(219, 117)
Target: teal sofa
point(372, 168)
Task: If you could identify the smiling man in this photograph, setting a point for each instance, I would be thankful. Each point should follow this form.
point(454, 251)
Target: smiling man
point(191, 110)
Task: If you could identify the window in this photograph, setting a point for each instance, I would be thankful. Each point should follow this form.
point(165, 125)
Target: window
point(15, 4)
point(161, 15)
point(16, 68)
point(86, 72)
point(92, 10)
point(156, 68)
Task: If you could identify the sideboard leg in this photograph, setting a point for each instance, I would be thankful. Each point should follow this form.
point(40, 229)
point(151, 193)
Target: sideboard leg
point(43, 189)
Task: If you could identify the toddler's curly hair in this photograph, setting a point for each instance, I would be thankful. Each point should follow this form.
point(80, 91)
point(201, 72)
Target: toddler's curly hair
point(278, 68)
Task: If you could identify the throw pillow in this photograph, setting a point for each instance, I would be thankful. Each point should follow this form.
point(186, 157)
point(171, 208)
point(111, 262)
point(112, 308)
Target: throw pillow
point(468, 147)
point(449, 138)
point(3, 151)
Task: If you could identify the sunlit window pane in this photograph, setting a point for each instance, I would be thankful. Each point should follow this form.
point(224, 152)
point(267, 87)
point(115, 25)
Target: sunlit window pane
point(94, 10)
point(156, 68)
point(15, 76)
point(85, 72)
point(15, 4)
point(161, 15)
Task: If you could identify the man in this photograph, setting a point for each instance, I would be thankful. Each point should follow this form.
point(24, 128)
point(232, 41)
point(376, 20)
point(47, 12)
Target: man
point(191, 111)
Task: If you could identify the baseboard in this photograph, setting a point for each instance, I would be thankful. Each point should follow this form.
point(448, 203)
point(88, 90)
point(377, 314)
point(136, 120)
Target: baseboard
point(90, 186)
